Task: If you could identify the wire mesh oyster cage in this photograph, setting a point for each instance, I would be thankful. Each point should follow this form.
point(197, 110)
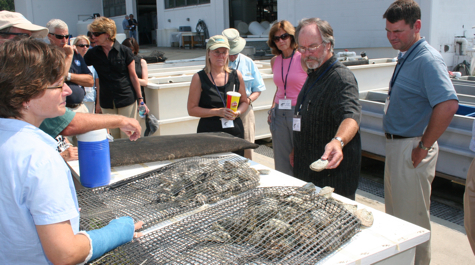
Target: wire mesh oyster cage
point(160, 194)
point(272, 225)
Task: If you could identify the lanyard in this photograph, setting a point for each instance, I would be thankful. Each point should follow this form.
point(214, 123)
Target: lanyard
point(395, 74)
point(310, 87)
point(237, 64)
point(288, 70)
point(214, 83)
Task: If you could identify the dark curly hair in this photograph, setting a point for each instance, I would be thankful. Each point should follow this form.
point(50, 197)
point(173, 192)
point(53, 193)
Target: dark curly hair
point(27, 67)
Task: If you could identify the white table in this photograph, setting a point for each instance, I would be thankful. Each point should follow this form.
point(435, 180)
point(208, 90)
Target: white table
point(389, 241)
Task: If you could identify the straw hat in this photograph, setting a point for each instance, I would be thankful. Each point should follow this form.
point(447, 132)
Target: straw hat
point(236, 43)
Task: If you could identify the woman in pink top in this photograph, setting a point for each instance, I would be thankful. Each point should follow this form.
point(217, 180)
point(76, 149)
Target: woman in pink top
point(289, 76)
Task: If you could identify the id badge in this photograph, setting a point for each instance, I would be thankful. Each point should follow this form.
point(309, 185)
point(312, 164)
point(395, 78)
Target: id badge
point(296, 123)
point(285, 104)
point(227, 123)
point(386, 105)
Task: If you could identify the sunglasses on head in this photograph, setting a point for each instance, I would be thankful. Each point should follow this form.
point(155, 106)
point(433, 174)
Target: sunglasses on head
point(83, 45)
point(97, 34)
point(282, 37)
point(60, 37)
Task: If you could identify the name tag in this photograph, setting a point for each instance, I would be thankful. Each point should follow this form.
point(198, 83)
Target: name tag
point(296, 123)
point(285, 104)
point(226, 123)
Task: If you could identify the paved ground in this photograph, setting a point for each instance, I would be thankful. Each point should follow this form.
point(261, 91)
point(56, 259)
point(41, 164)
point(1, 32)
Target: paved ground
point(449, 241)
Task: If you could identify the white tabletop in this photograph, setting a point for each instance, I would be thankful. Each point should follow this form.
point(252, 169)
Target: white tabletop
point(389, 236)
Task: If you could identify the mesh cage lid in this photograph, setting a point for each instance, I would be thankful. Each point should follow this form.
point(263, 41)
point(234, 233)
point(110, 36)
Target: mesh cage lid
point(163, 193)
point(274, 225)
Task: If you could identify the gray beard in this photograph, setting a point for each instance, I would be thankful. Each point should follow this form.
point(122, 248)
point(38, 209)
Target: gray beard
point(313, 65)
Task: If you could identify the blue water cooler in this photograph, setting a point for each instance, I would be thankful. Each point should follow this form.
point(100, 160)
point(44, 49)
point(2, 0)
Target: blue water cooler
point(94, 159)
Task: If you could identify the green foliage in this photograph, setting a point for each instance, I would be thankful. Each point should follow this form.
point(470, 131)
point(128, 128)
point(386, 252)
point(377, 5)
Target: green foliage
point(7, 5)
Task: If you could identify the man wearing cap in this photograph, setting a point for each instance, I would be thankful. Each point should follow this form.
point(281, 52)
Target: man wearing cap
point(252, 80)
point(420, 105)
point(79, 75)
point(13, 24)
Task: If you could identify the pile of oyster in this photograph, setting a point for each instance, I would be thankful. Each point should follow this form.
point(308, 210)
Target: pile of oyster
point(277, 225)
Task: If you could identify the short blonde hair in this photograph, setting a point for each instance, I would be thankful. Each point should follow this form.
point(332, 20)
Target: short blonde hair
point(82, 37)
point(103, 24)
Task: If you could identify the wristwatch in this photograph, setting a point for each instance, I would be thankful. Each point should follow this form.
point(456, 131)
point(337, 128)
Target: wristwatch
point(68, 78)
point(341, 141)
point(421, 146)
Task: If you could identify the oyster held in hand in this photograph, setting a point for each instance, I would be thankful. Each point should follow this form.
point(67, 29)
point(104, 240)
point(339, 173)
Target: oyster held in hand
point(319, 165)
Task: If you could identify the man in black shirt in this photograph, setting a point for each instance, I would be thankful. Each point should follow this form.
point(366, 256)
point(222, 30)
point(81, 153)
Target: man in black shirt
point(327, 113)
point(133, 26)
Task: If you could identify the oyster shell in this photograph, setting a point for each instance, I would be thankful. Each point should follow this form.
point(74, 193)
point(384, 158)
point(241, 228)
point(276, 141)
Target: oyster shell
point(264, 171)
point(319, 165)
point(308, 188)
point(326, 192)
point(366, 217)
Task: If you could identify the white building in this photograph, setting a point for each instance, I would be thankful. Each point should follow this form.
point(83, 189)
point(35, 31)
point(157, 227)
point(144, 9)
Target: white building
point(358, 25)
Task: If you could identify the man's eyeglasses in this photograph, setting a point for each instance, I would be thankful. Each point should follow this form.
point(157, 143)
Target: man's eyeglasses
point(97, 34)
point(281, 37)
point(83, 45)
point(60, 37)
point(15, 34)
point(310, 49)
point(56, 87)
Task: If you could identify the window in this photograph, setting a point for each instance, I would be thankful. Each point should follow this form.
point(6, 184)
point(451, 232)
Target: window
point(181, 3)
point(114, 8)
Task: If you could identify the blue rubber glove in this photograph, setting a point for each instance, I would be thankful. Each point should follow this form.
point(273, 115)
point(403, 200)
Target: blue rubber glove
point(117, 232)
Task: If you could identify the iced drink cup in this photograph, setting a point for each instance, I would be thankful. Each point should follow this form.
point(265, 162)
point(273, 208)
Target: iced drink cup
point(233, 100)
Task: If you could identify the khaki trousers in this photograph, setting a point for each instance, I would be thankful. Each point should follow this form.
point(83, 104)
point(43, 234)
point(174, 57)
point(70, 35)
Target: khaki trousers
point(249, 124)
point(469, 205)
point(407, 189)
point(127, 34)
point(129, 111)
point(91, 106)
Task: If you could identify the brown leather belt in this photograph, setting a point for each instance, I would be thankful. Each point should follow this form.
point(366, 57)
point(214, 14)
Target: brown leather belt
point(393, 136)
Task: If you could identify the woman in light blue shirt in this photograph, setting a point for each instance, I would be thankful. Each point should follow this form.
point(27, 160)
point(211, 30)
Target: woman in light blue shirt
point(39, 220)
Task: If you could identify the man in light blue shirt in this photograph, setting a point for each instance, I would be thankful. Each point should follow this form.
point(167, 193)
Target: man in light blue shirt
point(252, 80)
point(420, 106)
point(125, 26)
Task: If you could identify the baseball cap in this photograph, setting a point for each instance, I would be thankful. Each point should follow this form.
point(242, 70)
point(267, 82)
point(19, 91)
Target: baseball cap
point(236, 43)
point(216, 42)
point(17, 20)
